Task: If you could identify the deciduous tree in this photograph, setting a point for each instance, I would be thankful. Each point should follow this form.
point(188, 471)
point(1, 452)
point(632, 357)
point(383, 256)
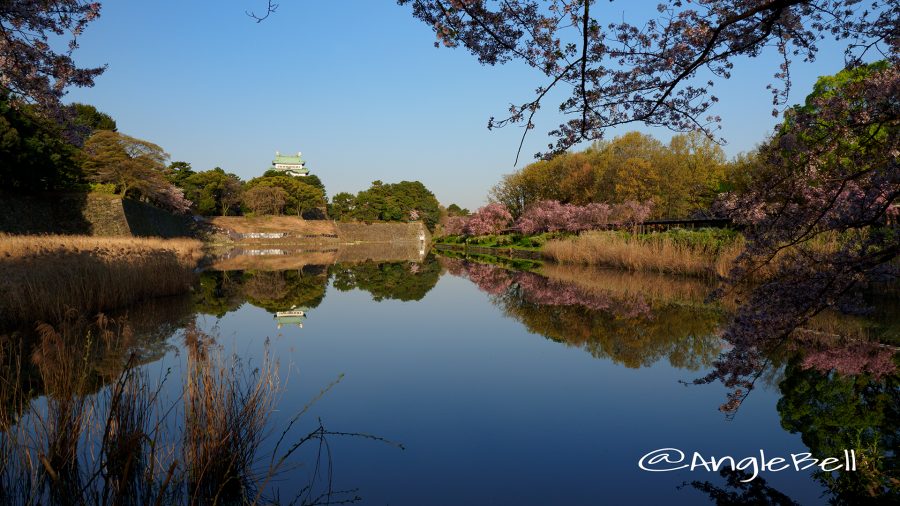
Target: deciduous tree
point(301, 197)
point(657, 71)
point(830, 175)
point(265, 199)
point(31, 67)
point(214, 192)
point(127, 162)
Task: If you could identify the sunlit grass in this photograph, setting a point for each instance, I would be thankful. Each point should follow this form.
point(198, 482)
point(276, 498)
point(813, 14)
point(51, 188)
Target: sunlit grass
point(649, 253)
point(42, 277)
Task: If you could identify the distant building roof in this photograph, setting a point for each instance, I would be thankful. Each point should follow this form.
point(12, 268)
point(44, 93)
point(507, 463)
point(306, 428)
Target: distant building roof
point(288, 159)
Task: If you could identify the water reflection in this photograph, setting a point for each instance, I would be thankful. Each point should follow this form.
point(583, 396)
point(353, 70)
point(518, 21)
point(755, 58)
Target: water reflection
point(139, 334)
point(835, 412)
point(304, 287)
point(606, 313)
point(406, 281)
point(476, 397)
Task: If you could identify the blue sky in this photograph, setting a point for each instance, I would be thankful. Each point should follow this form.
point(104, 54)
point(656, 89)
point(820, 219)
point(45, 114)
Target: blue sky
point(356, 85)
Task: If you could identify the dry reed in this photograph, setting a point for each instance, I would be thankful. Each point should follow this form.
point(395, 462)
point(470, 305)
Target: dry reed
point(653, 254)
point(41, 277)
point(124, 444)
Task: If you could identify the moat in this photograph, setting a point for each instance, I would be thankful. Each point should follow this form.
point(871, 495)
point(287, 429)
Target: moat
point(497, 385)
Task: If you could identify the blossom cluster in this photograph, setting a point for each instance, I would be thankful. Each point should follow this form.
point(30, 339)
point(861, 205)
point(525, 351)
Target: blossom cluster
point(489, 219)
point(550, 216)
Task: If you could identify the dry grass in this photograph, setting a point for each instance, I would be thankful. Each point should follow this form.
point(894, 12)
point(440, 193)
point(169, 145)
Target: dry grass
point(127, 445)
point(225, 418)
point(645, 254)
point(42, 277)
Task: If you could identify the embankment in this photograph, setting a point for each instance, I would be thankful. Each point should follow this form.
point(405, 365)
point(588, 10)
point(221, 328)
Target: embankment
point(87, 214)
point(290, 231)
point(707, 253)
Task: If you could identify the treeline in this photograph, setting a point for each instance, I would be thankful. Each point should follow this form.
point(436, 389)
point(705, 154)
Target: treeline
point(681, 178)
point(403, 201)
point(84, 151)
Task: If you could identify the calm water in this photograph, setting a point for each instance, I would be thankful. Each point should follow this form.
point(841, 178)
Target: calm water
point(504, 387)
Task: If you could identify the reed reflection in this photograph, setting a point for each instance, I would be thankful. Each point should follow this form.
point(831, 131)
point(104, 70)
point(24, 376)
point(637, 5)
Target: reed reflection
point(606, 313)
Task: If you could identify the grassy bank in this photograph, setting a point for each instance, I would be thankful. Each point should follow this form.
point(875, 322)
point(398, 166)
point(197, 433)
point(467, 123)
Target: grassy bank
point(697, 253)
point(43, 277)
point(514, 241)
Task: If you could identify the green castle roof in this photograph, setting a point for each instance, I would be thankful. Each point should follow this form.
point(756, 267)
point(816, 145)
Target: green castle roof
point(288, 159)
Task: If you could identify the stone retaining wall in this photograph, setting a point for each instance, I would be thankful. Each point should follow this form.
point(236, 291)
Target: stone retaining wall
point(87, 214)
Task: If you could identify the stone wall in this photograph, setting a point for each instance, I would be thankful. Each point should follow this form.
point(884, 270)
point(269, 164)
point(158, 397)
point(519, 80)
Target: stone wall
point(87, 214)
point(382, 232)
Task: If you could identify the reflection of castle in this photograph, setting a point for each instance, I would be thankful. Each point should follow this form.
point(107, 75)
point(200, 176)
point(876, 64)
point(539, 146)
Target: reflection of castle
point(294, 316)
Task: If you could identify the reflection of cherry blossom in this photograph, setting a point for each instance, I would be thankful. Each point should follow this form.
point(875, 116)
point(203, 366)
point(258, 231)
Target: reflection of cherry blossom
point(852, 359)
point(489, 278)
point(539, 290)
point(830, 172)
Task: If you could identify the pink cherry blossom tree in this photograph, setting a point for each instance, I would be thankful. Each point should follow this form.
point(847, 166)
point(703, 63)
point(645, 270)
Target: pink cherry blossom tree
point(659, 70)
point(489, 219)
point(831, 175)
point(31, 68)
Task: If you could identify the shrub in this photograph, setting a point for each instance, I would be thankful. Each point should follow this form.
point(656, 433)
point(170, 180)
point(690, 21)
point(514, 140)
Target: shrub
point(109, 188)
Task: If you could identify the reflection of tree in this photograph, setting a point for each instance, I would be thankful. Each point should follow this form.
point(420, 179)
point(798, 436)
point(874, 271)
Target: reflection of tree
point(625, 328)
point(738, 492)
point(395, 280)
point(683, 334)
point(219, 293)
point(279, 290)
point(834, 413)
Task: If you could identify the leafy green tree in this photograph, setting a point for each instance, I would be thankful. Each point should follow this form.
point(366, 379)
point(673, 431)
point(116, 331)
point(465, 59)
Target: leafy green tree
point(178, 172)
point(127, 162)
point(455, 210)
point(34, 155)
point(213, 192)
point(692, 170)
point(90, 118)
point(302, 199)
point(342, 205)
point(403, 201)
point(680, 178)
